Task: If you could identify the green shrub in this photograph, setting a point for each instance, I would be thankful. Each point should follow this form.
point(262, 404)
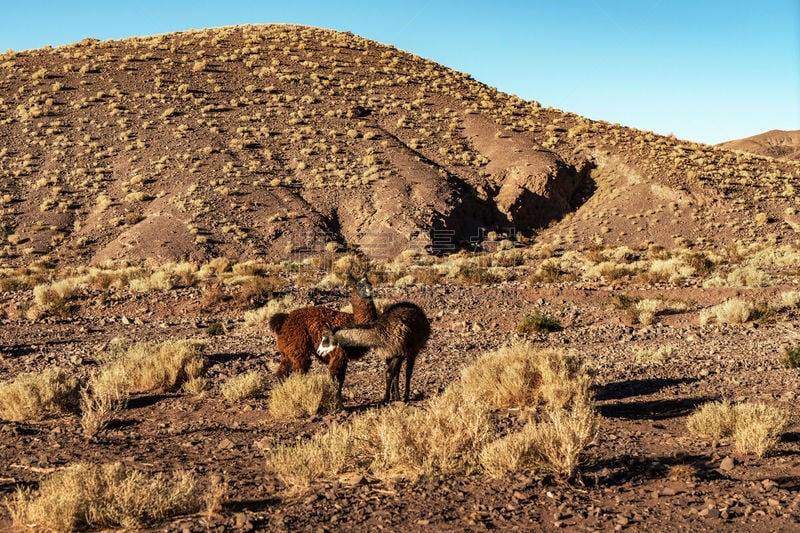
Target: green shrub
point(791, 357)
point(537, 322)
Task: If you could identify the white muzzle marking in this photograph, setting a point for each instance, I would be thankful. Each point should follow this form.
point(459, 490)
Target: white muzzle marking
point(325, 350)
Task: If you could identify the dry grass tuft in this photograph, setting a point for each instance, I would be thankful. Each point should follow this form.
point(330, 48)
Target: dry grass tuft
point(646, 311)
point(713, 420)
point(790, 299)
point(324, 455)
point(754, 427)
point(106, 394)
point(656, 355)
point(260, 316)
point(551, 446)
point(38, 395)
point(86, 496)
point(444, 436)
point(56, 298)
point(758, 427)
point(245, 386)
point(537, 322)
point(303, 395)
point(733, 311)
point(159, 366)
point(522, 376)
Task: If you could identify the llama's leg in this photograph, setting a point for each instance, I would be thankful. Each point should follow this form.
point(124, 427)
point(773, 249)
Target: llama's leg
point(301, 361)
point(337, 368)
point(284, 368)
point(409, 369)
point(392, 379)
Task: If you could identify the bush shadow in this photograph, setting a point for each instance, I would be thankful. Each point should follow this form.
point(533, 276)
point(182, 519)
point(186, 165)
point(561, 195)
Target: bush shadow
point(619, 390)
point(653, 409)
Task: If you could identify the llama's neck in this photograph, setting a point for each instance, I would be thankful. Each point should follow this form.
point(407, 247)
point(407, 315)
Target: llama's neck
point(364, 310)
point(362, 336)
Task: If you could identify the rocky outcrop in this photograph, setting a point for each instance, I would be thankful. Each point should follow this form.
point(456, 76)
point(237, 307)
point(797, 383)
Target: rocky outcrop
point(537, 190)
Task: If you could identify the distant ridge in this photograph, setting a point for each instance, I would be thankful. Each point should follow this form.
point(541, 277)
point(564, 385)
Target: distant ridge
point(780, 144)
point(278, 141)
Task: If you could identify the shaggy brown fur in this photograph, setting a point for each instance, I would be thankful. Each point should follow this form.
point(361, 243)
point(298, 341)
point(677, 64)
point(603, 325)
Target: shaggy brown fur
point(299, 333)
point(396, 336)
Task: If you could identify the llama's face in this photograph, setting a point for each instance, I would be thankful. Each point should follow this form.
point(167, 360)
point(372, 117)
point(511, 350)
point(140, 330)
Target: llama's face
point(327, 343)
point(364, 289)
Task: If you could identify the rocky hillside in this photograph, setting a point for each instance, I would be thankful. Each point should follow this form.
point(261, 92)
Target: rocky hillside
point(779, 144)
point(260, 141)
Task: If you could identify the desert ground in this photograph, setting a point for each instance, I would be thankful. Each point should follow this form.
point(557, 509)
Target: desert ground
point(643, 470)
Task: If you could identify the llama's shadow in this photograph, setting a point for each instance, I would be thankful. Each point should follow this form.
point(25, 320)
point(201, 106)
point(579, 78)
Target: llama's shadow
point(17, 350)
point(358, 408)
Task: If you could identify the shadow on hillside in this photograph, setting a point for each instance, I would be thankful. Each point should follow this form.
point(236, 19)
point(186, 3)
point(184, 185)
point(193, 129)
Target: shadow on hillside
point(653, 409)
point(619, 390)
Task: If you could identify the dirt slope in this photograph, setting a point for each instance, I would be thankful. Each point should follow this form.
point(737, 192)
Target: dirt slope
point(263, 140)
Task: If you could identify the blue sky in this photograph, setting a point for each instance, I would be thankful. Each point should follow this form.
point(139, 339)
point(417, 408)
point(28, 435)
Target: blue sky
point(703, 70)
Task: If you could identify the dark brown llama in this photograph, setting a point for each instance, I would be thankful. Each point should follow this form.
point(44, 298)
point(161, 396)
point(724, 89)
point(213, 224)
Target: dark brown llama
point(298, 334)
point(396, 336)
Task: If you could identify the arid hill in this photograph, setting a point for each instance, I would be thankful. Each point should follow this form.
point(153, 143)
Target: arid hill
point(780, 144)
point(258, 141)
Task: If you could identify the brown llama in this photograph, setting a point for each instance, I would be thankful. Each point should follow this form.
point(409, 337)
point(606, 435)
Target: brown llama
point(396, 336)
point(298, 333)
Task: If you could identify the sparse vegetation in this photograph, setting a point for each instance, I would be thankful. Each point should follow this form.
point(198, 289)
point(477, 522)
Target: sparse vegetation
point(454, 433)
point(34, 396)
point(755, 428)
point(303, 395)
point(245, 386)
point(105, 496)
point(538, 322)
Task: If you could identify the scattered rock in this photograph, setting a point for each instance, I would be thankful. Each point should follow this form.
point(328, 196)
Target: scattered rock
point(225, 444)
point(727, 464)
